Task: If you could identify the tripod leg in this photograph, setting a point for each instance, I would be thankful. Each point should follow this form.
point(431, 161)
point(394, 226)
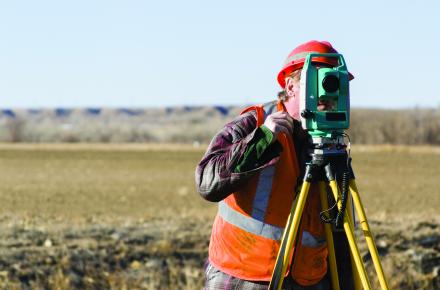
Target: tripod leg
point(351, 240)
point(329, 237)
point(289, 238)
point(356, 278)
point(368, 235)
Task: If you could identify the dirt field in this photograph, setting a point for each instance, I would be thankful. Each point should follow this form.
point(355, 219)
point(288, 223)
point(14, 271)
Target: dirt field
point(128, 217)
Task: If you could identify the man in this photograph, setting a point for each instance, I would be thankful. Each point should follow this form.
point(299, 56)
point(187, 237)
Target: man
point(252, 168)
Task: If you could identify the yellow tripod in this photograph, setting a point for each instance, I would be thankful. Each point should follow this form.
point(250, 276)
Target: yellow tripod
point(330, 165)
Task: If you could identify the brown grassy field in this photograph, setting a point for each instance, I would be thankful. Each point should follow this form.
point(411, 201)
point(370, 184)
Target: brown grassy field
point(82, 181)
point(102, 181)
point(128, 217)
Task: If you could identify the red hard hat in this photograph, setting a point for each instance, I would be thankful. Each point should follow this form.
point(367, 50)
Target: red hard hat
point(295, 60)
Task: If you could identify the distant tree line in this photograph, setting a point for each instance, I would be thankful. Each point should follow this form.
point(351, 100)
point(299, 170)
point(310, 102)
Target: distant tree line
point(198, 125)
point(410, 127)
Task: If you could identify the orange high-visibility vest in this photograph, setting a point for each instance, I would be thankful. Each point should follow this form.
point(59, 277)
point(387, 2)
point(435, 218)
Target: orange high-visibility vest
point(249, 225)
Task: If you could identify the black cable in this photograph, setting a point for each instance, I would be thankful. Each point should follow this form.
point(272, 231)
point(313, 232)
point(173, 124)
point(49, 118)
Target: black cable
point(328, 220)
point(344, 198)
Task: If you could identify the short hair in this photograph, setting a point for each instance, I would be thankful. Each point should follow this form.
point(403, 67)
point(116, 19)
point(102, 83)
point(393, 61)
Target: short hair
point(296, 76)
point(282, 96)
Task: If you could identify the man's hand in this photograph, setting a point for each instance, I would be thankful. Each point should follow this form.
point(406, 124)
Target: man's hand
point(279, 122)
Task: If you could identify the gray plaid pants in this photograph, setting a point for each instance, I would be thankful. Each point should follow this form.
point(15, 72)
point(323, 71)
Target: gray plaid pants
point(217, 280)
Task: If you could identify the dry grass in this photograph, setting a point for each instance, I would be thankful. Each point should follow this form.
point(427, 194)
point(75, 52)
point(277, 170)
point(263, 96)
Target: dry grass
point(426, 149)
point(108, 197)
point(396, 181)
point(101, 146)
point(135, 180)
point(79, 182)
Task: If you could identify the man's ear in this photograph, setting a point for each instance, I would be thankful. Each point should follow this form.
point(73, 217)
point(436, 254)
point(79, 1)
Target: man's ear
point(289, 87)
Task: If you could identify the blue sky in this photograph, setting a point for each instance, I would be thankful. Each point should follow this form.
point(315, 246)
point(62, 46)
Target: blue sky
point(164, 53)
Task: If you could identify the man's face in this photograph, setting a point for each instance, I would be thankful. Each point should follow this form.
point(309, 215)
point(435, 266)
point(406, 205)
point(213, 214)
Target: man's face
point(292, 94)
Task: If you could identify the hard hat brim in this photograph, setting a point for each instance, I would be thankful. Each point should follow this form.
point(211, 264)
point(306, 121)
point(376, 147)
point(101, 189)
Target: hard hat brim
point(293, 67)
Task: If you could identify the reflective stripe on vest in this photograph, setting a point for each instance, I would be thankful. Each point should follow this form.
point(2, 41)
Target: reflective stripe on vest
point(264, 186)
point(259, 228)
point(309, 240)
point(262, 193)
point(249, 224)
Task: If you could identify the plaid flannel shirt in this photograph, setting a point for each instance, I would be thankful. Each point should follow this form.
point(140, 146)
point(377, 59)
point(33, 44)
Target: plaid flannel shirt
point(216, 174)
